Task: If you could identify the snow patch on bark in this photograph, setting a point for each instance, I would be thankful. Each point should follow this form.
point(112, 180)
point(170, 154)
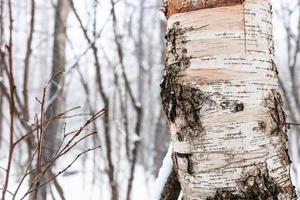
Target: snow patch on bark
point(180, 196)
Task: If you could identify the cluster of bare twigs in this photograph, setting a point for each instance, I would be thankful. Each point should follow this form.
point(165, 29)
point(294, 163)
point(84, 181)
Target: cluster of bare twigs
point(39, 168)
point(43, 167)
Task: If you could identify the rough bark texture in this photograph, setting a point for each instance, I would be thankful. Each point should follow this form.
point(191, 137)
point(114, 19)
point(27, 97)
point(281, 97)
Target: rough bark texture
point(179, 6)
point(220, 94)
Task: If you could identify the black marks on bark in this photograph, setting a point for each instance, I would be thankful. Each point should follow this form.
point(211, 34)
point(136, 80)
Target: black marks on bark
point(225, 104)
point(181, 100)
point(190, 101)
point(238, 107)
point(258, 185)
point(233, 106)
point(261, 126)
point(224, 195)
point(286, 158)
point(175, 63)
point(190, 166)
point(261, 186)
point(275, 105)
point(164, 8)
point(274, 67)
point(184, 53)
point(177, 60)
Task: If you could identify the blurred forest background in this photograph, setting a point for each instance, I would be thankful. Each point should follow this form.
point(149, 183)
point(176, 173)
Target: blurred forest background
point(62, 62)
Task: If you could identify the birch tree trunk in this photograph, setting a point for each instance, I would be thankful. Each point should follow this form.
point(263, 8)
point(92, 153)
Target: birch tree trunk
point(220, 94)
point(56, 97)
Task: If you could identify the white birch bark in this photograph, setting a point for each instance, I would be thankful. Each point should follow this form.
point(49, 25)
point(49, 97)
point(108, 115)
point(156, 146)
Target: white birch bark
point(220, 93)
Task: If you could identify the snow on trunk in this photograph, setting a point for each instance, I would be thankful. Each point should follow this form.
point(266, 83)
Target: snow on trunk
point(163, 174)
point(167, 185)
point(220, 94)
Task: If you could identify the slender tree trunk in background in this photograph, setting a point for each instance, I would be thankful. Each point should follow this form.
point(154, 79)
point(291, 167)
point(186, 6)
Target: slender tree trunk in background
point(27, 61)
point(25, 111)
point(58, 66)
point(140, 53)
point(220, 94)
point(1, 71)
point(56, 97)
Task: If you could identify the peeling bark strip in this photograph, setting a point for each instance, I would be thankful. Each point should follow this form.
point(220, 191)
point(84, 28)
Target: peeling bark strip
point(220, 94)
point(180, 6)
